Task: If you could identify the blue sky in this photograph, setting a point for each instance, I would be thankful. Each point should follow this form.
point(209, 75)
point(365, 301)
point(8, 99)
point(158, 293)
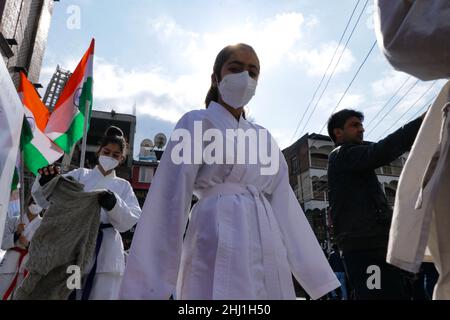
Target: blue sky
point(159, 55)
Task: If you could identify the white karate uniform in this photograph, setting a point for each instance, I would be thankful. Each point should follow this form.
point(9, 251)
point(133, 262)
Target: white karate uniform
point(421, 212)
point(124, 215)
point(10, 261)
point(413, 36)
point(246, 234)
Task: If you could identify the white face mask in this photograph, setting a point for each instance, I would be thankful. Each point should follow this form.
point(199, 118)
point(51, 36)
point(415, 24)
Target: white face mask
point(237, 89)
point(107, 163)
point(34, 208)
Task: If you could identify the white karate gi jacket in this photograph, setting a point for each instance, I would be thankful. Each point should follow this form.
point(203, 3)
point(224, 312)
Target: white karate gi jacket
point(123, 216)
point(10, 259)
point(414, 36)
point(421, 212)
point(246, 234)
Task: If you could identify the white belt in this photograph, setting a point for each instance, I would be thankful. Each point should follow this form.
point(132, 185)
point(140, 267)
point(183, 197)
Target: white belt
point(268, 231)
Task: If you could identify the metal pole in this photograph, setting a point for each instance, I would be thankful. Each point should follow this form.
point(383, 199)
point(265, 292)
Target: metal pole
point(22, 188)
point(86, 121)
point(67, 160)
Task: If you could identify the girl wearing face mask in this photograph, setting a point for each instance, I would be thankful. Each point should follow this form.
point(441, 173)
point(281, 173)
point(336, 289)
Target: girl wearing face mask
point(120, 212)
point(247, 232)
point(16, 239)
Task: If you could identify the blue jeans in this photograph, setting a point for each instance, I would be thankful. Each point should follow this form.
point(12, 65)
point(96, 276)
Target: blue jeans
point(343, 288)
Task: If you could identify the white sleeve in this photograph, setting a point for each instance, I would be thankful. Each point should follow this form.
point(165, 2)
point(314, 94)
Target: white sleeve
point(126, 212)
point(36, 189)
point(152, 265)
point(414, 36)
point(8, 235)
point(306, 258)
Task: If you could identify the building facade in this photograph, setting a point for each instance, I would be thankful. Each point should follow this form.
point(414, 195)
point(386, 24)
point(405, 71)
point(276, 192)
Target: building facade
point(142, 176)
point(307, 160)
point(24, 27)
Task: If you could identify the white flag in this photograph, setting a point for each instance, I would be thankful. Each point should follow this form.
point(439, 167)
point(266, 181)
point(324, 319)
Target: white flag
point(11, 119)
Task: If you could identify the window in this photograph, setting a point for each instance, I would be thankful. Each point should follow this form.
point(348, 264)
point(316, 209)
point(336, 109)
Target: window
point(145, 174)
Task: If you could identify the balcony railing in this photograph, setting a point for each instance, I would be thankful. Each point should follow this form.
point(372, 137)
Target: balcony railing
point(319, 163)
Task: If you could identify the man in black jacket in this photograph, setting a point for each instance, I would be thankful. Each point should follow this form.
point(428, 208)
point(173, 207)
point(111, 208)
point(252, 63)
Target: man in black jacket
point(360, 211)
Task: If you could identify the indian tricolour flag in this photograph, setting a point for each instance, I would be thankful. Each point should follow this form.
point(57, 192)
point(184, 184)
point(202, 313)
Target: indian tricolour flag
point(66, 123)
point(38, 151)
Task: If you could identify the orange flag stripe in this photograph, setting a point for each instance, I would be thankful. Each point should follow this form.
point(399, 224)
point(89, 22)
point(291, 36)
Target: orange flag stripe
point(33, 102)
point(76, 77)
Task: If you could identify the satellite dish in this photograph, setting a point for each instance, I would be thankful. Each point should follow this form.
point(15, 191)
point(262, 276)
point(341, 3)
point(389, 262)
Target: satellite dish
point(147, 143)
point(160, 140)
point(146, 152)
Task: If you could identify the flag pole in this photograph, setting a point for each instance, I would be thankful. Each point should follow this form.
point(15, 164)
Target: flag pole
point(22, 188)
point(86, 120)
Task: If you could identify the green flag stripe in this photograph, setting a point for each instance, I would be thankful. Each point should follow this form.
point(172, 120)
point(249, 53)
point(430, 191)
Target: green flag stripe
point(33, 159)
point(26, 135)
point(75, 132)
point(15, 180)
point(86, 94)
point(72, 135)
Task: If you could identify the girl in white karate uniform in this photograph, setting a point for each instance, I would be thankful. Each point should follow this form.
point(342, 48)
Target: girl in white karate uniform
point(16, 240)
point(120, 212)
point(247, 233)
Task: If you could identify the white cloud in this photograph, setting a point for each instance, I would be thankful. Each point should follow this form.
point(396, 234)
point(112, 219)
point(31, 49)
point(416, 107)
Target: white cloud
point(155, 93)
point(390, 83)
point(272, 38)
point(167, 92)
point(350, 101)
point(312, 21)
point(317, 60)
point(168, 97)
point(282, 136)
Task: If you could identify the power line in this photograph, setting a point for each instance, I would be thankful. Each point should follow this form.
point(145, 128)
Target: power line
point(351, 82)
point(335, 66)
point(326, 71)
point(392, 108)
point(412, 106)
point(354, 77)
point(387, 103)
point(423, 108)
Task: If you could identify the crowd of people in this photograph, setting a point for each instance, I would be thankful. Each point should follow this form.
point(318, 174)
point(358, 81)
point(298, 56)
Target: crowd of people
point(247, 236)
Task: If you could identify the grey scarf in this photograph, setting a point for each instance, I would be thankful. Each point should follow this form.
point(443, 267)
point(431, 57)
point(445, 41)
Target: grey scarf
point(66, 237)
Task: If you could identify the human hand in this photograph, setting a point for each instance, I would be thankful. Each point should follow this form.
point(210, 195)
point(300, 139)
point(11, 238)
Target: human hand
point(107, 200)
point(48, 173)
point(23, 241)
point(20, 228)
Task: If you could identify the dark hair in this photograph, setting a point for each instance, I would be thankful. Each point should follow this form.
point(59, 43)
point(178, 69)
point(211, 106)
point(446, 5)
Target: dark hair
point(338, 120)
point(114, 135)
point(222, 57)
